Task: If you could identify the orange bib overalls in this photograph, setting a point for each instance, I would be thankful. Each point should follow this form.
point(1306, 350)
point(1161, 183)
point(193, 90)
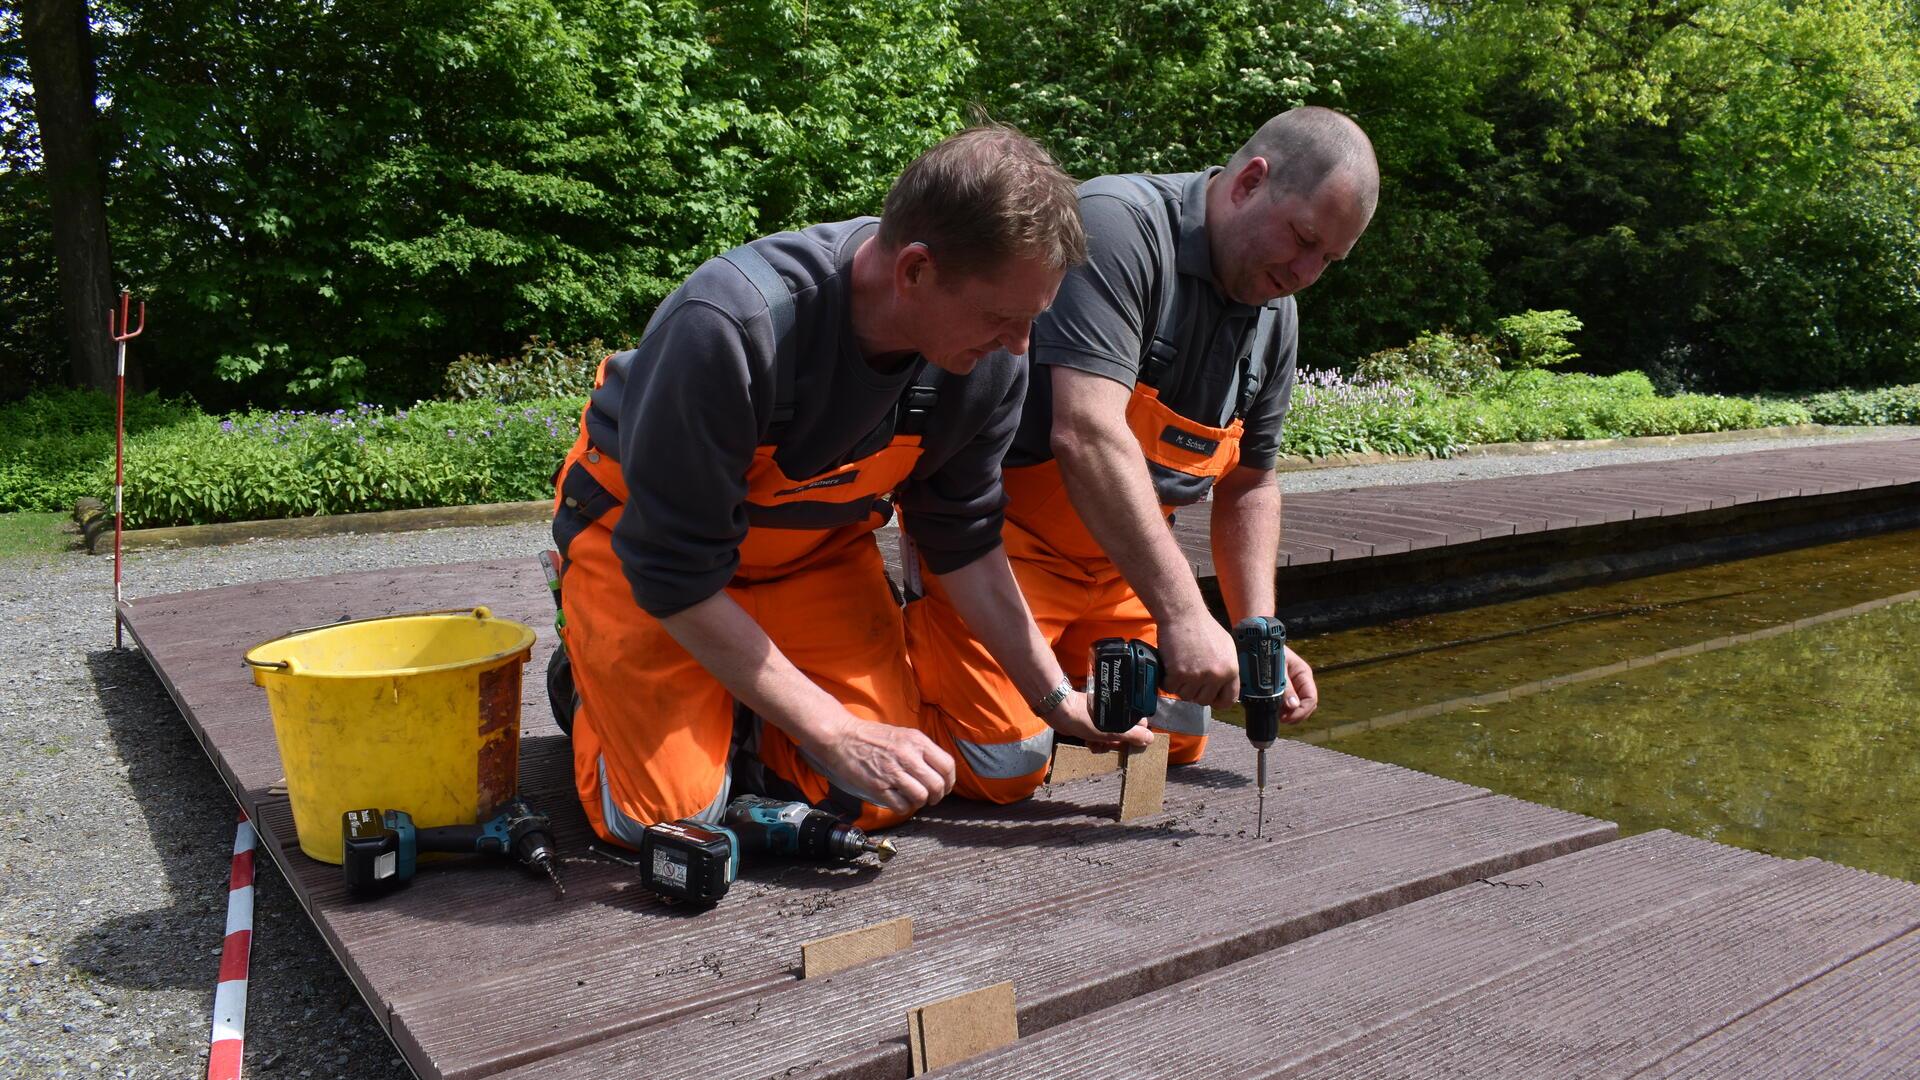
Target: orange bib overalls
point(1077, 596)
point(654, 730)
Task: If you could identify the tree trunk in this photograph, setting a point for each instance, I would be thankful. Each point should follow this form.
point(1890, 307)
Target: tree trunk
point(60, 64)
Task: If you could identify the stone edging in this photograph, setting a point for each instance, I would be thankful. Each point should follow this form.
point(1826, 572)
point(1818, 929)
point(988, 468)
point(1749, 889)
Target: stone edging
point(452, 517)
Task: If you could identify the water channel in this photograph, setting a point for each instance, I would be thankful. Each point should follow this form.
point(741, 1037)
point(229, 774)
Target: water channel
point(1772, 703)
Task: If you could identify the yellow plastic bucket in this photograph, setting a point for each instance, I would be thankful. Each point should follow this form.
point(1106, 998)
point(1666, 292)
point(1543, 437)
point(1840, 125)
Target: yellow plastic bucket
point(413, 712)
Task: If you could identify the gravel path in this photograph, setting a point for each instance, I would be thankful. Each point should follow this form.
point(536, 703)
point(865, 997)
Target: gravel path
point(115, 830)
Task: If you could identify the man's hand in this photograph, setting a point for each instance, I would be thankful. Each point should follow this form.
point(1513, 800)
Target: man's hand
point(1198, 661)
point(1302, 696)
point(1074, 717)
point(895, 768)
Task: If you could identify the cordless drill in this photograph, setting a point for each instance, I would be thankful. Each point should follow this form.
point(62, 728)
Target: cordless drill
point(696, 862)
point(381, 847)
point(1126, 681)
point(1261, 643)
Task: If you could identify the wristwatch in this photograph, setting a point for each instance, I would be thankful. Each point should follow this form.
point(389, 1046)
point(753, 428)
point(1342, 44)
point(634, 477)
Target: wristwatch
point(1054, 697)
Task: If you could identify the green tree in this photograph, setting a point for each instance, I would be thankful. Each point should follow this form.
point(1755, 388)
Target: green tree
point(336, 200)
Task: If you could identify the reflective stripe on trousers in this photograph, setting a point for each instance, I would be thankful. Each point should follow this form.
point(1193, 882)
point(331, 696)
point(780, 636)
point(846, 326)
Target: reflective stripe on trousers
point(628, 831)
point(1009, 760)
point(1181, 716)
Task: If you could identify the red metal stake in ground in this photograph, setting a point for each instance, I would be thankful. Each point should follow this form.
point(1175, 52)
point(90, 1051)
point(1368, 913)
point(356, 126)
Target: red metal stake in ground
point(121, 335)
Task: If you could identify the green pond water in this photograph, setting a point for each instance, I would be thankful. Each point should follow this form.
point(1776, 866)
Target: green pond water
point(1769, 704)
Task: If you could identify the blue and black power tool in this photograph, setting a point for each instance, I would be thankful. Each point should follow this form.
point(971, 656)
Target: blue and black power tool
point(696, 862)
point(381, 848)
point(1126, 687)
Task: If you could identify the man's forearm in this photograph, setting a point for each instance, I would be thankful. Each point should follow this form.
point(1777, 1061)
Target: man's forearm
point(1246, 544)
point(1107, 481)
point(727, 642)
point(986, 595)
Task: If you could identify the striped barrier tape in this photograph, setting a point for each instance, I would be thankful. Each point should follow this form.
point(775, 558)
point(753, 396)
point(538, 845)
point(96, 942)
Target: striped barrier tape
point(230, 996)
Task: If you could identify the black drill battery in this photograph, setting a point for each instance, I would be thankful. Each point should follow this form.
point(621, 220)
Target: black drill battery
point(689, 860)
point(1126, 683)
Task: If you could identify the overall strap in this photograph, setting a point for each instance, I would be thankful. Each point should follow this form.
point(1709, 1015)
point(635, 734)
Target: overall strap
point(773, 288)
point(1256, 369)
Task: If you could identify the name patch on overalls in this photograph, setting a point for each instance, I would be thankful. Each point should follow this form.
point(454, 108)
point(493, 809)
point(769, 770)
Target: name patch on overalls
point(831, 481)
point(1187, 440)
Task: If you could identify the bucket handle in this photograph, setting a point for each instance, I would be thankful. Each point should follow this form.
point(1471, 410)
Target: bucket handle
point(478, 612)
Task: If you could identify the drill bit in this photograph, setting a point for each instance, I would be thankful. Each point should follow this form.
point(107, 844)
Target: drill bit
point(1260, 772)
point(545, 862)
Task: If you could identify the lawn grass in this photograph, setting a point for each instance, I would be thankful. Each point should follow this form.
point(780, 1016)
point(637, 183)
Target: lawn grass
point(28, 534)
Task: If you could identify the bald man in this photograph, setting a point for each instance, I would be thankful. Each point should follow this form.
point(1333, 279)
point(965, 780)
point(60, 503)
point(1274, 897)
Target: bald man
point(1162, 375)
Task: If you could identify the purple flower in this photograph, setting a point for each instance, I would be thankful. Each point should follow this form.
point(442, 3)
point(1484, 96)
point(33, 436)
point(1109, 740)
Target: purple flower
point(226, 426)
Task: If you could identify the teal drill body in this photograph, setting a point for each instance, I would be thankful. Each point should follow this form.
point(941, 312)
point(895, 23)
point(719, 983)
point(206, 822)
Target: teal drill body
point(697, 862)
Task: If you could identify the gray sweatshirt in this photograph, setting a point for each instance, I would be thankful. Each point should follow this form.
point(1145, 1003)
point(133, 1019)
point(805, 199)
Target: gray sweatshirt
point(684, 412)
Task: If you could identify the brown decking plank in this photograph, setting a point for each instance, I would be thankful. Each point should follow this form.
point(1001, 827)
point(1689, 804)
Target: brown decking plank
point(1339, 986)
point(1633, 997)
point(1387, 537)
point(1652, 499)
point(1861, 1020)
point(1337, 546)
point(970, 868)
point(1067, 960)
point(1424, 529)
point(1519, 505)
point(1442, 506)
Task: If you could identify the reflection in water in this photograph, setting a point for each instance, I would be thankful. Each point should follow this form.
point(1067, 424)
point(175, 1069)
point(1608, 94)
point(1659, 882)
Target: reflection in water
point(1770, 703)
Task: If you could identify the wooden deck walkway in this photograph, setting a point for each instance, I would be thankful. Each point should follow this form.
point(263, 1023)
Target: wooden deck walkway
point(1392, 923)
point(1365, 554)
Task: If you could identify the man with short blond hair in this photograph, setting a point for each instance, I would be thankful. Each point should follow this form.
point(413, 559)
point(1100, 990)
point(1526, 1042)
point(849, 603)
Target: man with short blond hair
point(1162, 376)
point(727, 614)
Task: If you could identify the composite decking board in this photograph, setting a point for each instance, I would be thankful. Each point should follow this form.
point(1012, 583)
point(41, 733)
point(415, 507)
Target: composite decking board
point(1440, 507)
point(1587, 508)
point(1860, 1020)
point(1408, 535)
point(1421, 533)
point(1650, 500)
point(1068, 961)
point(1548, 507)
point(1372, 540)
point(981, 839)
point(1342, 985)
point(757, 946)
point(1339, 547)
point(1645, 991)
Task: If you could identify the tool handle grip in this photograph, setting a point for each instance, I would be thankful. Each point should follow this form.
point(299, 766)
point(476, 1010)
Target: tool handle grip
point(457, 839)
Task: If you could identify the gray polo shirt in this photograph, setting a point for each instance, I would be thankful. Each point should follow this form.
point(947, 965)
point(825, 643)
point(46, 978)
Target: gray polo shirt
point(1107, 313)
point(685, 410)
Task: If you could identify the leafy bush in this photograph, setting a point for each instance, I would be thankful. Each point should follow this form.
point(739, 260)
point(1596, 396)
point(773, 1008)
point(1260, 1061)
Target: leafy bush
point(1454, 364)
point(1332, 414)
point(1537, 339)
point(55, 444)
point(541, 370)
point(294, 464)
point(1888, 405)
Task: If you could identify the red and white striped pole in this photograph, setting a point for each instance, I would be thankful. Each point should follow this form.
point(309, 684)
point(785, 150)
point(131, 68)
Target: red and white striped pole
point(120, 337)
point(230, 996)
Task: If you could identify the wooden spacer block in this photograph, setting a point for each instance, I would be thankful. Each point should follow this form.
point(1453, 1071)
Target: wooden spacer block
point(1143, 780)
point(838, 952)
point(944, 1032)
point(1077, 763)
